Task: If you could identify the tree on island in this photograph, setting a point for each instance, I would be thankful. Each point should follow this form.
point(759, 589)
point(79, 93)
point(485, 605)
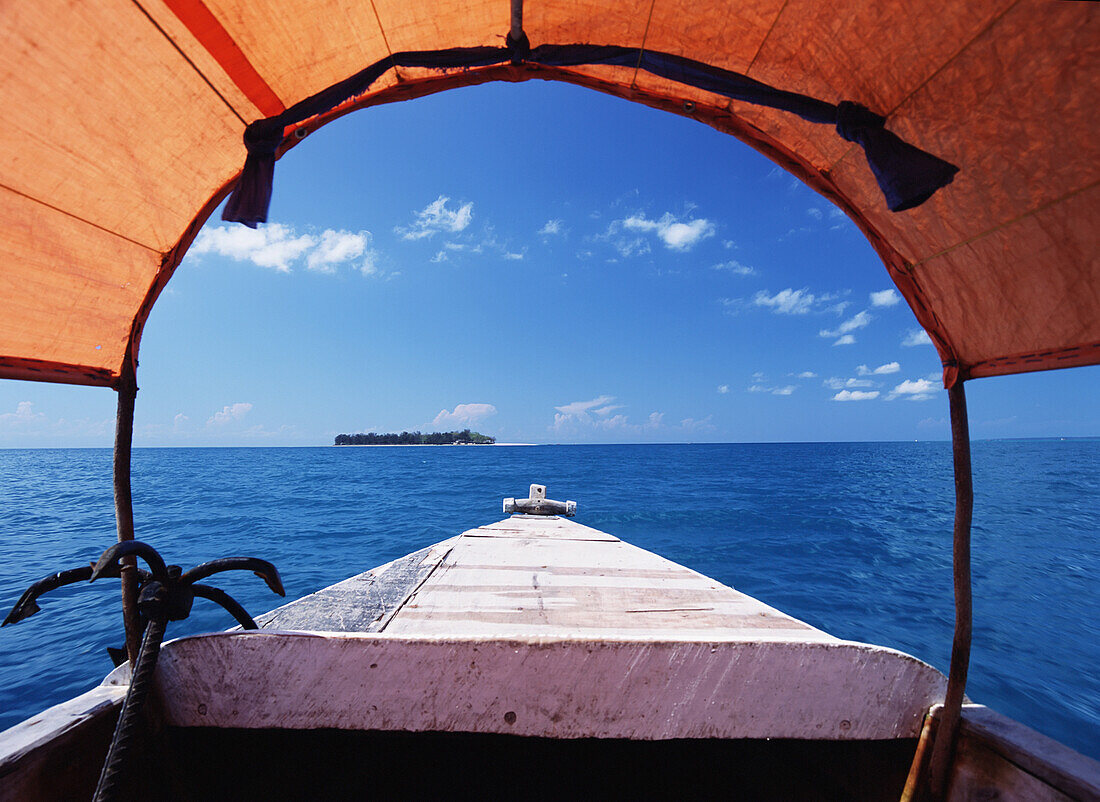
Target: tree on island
point(415, 439)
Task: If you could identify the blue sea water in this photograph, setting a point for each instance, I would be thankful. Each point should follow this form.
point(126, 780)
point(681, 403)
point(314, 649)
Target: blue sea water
point(854, 538)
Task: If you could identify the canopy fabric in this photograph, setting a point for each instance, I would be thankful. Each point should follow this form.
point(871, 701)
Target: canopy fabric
point(124, 125)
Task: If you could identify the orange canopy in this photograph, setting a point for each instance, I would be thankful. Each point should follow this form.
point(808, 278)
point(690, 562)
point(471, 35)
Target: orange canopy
point(124, 125)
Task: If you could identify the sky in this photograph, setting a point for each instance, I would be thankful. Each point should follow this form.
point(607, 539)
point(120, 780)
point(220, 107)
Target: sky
point(544, 264)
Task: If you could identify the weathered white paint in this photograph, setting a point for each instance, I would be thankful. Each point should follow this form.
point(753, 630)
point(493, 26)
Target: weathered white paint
point(49, 725)
point(546, 687)
point(568, 628)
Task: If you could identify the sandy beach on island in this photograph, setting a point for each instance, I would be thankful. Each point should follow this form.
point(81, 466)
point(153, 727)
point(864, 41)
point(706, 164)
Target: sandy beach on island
point(426, 445)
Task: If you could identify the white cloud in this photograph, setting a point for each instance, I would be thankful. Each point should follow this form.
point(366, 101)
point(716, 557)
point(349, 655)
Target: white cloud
point(606, 410)
point(814, 212)
point(229, 413)
point(280, 247)
point(463, 415)
point(595, 415)
point(676, 235)
point(486, 244)
point(552, 228)
point(259, 432)
point(275, 245)
point(795, 232)
point(847, 339)
point(916, 337)
point(807, 374)
point(855, 395)
point(25, 422)
point(335, 248)
point(786, 302)
point(579, 408)
point(435, 218)
point(369, 266)
point(735, 267)
point(23, 416)
point(732, 306)
point(631, 247)
point(885, 298)
point(853, 323)
point(840, 384)
point(838, 218)
point(23, 410)
point(701, 425)
point(723, 388)
point(914, 390)
point(881, 370)
point(932, 423)
point(785, 390)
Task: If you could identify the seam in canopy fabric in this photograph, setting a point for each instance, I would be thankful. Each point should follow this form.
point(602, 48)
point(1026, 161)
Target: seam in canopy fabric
point(907, 175)
point(78, 218)
point(215, 39)
point(645, 41)
point(175, 45)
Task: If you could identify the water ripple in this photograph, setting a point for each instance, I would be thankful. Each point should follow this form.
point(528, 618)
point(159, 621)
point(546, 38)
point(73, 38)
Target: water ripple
point(853, 538)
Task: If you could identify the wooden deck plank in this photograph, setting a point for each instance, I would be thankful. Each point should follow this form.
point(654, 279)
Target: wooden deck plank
point(528, 614)
point(363, 603)
point(551, 577)
point(539, 526)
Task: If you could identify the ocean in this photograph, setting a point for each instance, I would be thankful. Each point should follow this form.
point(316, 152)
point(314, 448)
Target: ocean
point(854, 538)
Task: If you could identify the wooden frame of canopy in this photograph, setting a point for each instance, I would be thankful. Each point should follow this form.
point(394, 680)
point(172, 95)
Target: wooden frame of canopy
point(1000, 268)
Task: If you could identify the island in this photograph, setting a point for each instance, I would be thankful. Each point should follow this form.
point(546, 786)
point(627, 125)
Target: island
point(463, 438)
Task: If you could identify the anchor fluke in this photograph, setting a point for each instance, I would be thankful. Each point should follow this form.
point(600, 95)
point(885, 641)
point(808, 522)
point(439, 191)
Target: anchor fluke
point(22, 609)
point(109, 559)
point(261, 568)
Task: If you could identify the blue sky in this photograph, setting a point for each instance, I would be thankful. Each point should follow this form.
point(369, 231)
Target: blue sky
point(545, 264)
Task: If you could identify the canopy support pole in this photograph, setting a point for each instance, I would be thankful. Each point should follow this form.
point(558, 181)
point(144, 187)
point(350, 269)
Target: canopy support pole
point(947, 730)
point(517, 20)
point(124, 505)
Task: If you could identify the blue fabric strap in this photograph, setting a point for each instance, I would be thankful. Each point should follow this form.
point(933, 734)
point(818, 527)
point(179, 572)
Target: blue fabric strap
point(907, 175)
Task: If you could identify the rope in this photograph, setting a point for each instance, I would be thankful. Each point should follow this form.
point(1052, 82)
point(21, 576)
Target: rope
point(129, 718)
